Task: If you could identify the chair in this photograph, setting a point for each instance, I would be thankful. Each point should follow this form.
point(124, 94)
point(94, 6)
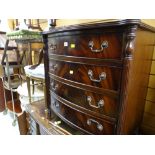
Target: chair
point(12, 76)
point(35, 73)
point(12, 81)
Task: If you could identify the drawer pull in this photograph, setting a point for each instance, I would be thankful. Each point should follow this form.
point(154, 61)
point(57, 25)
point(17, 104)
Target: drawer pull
point(56, 104)
point(103, 45)
point(30, 121)
point(99, 126)
point(54, 86)
point(30, 131)
point(52, 46)
point(99, 104)
point(102, 76)
point(54, 67)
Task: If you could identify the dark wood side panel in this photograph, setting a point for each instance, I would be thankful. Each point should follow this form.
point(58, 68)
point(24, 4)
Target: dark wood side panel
point(47, 80)
point(137, 65)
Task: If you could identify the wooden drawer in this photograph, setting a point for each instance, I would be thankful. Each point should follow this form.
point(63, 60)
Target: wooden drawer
point(82, 121)
point(32, 122)
point(92, 44)
point(42, 131)
point(33, 126)
point(96, 103)
point(99, 76)
point(33, 131)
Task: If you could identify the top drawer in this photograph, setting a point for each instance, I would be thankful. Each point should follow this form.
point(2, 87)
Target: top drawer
point(106, 45)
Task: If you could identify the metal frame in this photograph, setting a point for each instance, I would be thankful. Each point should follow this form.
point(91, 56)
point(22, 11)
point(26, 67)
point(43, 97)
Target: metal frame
point(8, 83)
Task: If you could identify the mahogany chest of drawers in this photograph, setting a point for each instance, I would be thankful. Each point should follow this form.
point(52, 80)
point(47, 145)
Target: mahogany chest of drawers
point(97, 75)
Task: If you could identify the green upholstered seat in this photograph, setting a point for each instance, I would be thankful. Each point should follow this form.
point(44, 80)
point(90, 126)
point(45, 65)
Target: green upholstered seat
point(24, 35)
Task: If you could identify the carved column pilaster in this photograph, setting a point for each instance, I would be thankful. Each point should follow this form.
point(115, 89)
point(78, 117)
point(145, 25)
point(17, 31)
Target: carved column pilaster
point(127, 65)
point(130, 40)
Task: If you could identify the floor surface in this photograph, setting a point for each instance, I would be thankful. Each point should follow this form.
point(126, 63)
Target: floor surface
point(6, 127)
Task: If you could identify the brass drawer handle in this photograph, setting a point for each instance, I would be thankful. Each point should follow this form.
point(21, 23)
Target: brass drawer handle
point(102, 76)
point(99, 126)
point(103, 45)
point(53, 46)
point(54, 67)
point(54, 86)
point(99, 104)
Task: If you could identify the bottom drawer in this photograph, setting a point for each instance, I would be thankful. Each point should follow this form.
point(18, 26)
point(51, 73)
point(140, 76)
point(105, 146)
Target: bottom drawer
point(33, 126)
point(82, 121)
point(42, 131)
point(32, 122)
point(33, 131)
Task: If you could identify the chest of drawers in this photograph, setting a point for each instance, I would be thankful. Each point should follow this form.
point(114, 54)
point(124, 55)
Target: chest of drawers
point(97, 75)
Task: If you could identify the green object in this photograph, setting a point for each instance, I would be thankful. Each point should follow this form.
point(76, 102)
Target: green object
point(24, 35)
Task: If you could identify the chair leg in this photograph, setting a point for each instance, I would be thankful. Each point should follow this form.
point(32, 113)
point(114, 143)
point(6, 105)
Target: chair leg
point(29, 88)
point(32, 86)
point(14, 113)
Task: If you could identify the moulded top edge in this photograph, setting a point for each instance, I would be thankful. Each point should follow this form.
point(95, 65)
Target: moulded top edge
point(99, 24)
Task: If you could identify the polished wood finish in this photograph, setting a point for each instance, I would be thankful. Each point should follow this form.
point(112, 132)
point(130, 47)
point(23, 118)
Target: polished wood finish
point(107, 92)
point(109, 108)
point(39, 125)
point(139, 50)
point(47, 80)
point(22, 124)
point(126, 61)
point(79, 73)
point(81, 41)
point(148, 125)
point(80, 119)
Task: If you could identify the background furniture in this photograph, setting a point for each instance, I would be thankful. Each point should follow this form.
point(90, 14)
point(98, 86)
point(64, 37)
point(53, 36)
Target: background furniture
point(36, 74)
point(97, 74)
point(2, 100)
point(25, 40)
point(12, 81)
point(27, 37)
point(12, 77)
point(39, 125)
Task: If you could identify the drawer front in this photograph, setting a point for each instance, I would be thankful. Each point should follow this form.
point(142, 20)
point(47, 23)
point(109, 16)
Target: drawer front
point(42, 131)
point(93, 45)
point(33, 127)
point(97, 103)
point(82, 121)
point(33, 131)
point(99, 76)
point(32, 122)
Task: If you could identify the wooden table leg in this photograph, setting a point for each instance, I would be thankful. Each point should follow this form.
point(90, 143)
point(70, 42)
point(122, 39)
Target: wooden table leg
point(29, 88)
